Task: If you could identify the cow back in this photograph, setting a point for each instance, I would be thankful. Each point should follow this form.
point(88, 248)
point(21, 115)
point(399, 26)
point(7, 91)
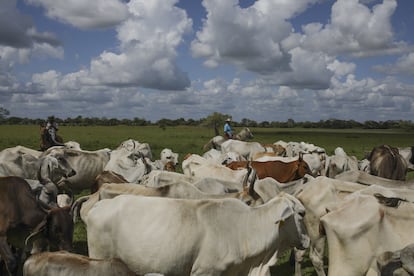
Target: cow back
point(386, 162)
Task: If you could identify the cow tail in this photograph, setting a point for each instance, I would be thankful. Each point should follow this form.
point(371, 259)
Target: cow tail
point(76, 206)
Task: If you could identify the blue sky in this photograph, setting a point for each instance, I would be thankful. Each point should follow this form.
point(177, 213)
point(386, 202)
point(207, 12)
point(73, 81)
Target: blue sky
point(265, 60)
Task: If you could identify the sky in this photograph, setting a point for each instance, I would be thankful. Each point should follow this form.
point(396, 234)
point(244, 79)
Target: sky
point(264, 60)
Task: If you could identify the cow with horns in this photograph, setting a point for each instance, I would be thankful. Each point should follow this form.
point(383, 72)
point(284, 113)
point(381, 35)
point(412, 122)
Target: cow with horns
point(25, 219)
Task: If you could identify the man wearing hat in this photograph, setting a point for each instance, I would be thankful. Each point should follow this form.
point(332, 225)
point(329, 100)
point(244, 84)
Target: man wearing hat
point(228, 132)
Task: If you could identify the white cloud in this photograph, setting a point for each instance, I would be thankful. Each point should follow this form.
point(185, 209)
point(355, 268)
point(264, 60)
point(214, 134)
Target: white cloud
point(310, 74)
point(149, 39)
point(246, 37)
point(353, 29)
point(85, 14)
point(403, 66)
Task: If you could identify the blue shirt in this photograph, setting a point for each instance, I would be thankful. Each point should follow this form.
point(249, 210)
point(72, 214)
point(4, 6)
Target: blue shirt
point(227, 128)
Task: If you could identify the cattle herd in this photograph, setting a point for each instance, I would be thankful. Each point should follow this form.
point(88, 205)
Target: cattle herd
point(231, 211)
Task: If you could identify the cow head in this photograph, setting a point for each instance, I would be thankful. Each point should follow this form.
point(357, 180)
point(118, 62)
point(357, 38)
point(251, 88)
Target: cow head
point(167, 155)
point(292, 227)
point(303, 168)
point(54, 167)
point(55, 231)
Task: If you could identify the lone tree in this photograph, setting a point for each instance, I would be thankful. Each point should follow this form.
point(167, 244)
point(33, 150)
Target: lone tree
point(3, 113)
point(214, 120)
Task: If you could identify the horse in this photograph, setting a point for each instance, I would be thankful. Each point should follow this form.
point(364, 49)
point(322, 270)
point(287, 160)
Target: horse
point(215, 142)
point(48, 139)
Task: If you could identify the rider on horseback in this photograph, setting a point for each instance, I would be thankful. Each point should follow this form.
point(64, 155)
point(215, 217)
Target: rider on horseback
point(228, 131)
point(49, 137)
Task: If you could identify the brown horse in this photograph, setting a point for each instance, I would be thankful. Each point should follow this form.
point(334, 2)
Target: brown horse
point(281, 171)
point(46, 141)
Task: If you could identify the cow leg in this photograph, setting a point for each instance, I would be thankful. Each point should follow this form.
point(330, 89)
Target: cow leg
point(298, 261)
point(7, 255)
point(316, 255)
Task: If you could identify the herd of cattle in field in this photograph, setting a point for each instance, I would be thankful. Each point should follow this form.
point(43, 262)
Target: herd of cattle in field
point(231, 211)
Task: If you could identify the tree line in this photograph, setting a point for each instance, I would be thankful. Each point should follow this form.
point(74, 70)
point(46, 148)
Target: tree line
point(215, 120)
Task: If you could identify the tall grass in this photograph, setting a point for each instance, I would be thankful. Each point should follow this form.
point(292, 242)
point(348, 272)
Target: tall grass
point(185, 140)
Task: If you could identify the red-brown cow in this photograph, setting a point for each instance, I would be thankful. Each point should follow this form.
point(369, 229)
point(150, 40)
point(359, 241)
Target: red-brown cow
point(279, 170)
point(22, 214)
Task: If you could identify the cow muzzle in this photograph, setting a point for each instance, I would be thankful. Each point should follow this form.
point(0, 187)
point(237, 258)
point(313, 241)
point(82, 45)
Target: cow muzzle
point(71, 173)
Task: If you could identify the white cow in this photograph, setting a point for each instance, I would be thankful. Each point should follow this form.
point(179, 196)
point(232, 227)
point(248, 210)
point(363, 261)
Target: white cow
point(20, 161)
point(364, 165)
point(199, 167)
point(50, 170)
point(23, 165)
point(157, 178)
point(217, 157)
point(131, 164)
point(197, 237)
point(268, 187)
point(314, 156)
point(68, 145)
point(340, 162)
point(134, 145)
point(63, 263)
point(369, 179)
point(168, 161)
point(210, 185)
point(324, 193)
point(167, 155)
point(361, 228)
point(316, 196)
point(87, 164)
point(407, 154)
point(14, 152)
point(176, 190)
point(245, 149)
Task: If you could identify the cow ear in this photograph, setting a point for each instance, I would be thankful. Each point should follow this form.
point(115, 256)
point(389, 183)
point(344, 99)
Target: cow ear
point(285, 215)
point(300, 156)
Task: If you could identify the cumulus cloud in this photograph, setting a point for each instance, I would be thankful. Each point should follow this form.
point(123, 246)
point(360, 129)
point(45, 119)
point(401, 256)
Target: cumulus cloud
point(366, 32)
point(404, 66)
point(148, 42)
point(247, 37)
point(85, 14)
point(271, 70)
point(18, 32)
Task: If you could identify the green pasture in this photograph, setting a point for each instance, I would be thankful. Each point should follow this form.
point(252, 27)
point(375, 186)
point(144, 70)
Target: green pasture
point(185, 140)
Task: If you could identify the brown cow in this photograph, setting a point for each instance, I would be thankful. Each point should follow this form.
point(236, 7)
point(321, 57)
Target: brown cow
point(386, 162)
point(107, 177)
point(278, 170)
point(63, 263)
point(21, 213)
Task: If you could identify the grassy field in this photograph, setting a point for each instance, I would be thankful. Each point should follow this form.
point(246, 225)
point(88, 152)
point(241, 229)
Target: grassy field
point(185, 140)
